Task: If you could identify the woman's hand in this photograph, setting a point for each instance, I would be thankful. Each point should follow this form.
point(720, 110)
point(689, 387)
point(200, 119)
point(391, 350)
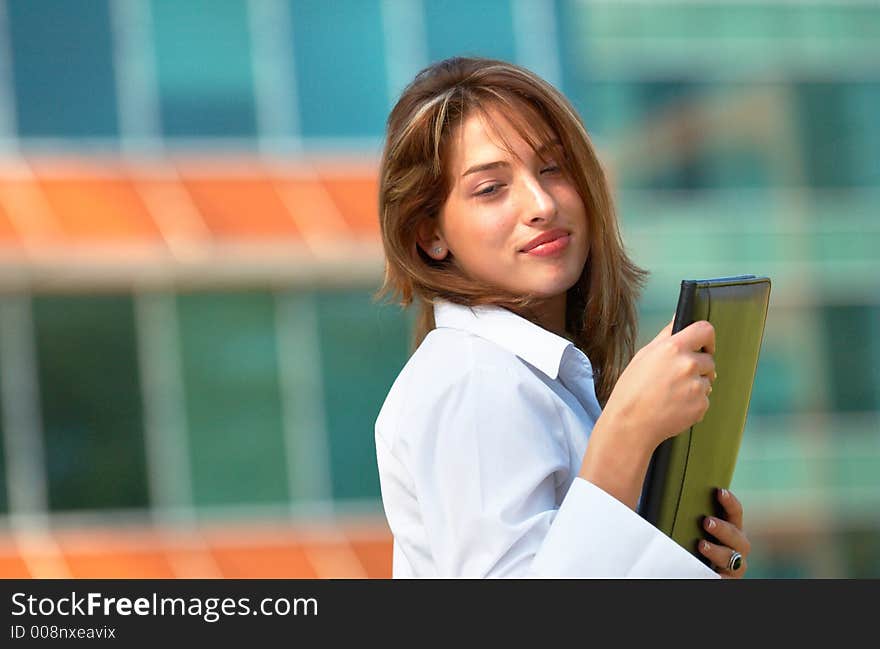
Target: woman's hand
point(730, 537)
point(663, 391)
point(665, 388)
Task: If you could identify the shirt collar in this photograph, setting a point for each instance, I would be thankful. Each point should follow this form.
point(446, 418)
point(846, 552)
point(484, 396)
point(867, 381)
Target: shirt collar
point(530, 342)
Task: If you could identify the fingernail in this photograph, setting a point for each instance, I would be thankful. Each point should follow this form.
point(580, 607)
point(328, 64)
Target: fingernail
point(704, 546)
point(710, 523)
point(724, 493)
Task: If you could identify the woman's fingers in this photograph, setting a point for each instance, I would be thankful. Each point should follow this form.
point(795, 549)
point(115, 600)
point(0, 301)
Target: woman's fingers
point(720, 555)
point(727, 534)
point(698, 336)
point(706, 385)
point(732, 506)
point(705, 365)
point(666, 386)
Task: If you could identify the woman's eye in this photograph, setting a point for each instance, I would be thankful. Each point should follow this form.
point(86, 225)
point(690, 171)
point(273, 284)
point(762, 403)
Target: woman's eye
point(550, 169)
point(488, 190)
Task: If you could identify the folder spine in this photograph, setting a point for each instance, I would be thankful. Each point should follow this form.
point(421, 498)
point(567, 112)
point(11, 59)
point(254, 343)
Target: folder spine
point(684, 311)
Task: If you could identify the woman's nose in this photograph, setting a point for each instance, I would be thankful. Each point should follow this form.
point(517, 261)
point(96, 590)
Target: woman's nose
point(540, 205)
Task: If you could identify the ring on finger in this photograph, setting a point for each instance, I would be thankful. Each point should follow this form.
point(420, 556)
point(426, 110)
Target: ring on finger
point(735, 561)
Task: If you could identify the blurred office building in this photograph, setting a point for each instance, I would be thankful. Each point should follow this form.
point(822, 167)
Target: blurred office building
point(191, 358)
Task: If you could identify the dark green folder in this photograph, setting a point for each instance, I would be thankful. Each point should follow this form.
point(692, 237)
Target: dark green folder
point(685, 470)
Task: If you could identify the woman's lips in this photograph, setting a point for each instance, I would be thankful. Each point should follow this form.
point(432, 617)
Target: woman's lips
point(551, 247)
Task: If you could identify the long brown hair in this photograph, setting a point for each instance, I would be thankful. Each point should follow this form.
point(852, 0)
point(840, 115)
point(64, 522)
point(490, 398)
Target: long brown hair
point(601, 315)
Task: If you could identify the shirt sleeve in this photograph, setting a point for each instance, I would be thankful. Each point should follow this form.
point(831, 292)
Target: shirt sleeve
point(490, 468)
point(620, 542)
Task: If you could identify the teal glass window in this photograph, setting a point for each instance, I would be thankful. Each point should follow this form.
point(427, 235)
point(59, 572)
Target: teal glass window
point(469, 28)
point(339, 52)
point(363, 348)
point(573, 68)
point(839, 132)
point(204, 67)
point(852, 346)
point(233, 411)
point(90, 395)
point(862, 109)
point(62, 68)
point(790, 358)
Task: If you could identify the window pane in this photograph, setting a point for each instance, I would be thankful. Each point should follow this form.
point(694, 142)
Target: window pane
point(863, 107)
point(469, 27)
point(340, 68)
point(824, 133)
point(789, 361)
point(363, 347)
point(62, 65)
point(726, 39)
point(840, 131)
point(204, 67)
point(861, 551)
point(91, 401)
point(233, 411)
point(608, 107)
point(851, 340)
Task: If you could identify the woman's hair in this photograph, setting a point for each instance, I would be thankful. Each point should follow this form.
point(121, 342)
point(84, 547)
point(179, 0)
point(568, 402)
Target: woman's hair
point(415, 180)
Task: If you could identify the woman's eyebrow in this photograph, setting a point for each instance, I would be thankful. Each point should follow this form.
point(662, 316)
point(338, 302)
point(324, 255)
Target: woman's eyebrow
point(485, 166)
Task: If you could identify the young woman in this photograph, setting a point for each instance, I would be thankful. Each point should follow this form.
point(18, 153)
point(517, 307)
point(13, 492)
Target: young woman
point(516, 439)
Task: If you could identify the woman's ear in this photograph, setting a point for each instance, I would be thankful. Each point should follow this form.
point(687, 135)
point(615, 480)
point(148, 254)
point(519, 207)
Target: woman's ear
point(431, 240)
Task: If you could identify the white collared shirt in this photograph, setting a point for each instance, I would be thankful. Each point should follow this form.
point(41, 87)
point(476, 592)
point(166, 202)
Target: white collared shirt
point(479, 445)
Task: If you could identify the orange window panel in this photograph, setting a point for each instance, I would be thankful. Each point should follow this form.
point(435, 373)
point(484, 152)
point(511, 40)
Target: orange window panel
point(357, 199)
point(172, 209)
point(312, 207)
point(108, 553)
point(13, 567)
point(148, 564)
point(28, 212)
point(242, 208)
point(9, 236)
point(375, 556)
point(99, 209)
point(262, 561)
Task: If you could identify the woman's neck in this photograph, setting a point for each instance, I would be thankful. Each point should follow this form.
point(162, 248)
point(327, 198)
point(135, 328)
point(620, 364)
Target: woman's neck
point(550, 314)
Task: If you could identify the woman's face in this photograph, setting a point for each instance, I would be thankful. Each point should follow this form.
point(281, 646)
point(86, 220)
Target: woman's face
point(511, 220)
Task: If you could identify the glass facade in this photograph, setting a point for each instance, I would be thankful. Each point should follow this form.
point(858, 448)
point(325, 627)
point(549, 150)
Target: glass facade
point(92, 408)
point(62, 68)
point(362, 349)
point(739, 138)
point(233, 409)
point(462, 28)
point(338, 54)
point(204, 68)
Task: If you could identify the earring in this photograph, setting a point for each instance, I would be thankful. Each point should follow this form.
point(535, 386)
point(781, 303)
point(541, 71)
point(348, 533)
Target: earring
point(437, 251)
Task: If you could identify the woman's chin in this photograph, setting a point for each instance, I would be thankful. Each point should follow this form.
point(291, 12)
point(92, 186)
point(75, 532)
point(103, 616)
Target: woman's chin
point(553, 286)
